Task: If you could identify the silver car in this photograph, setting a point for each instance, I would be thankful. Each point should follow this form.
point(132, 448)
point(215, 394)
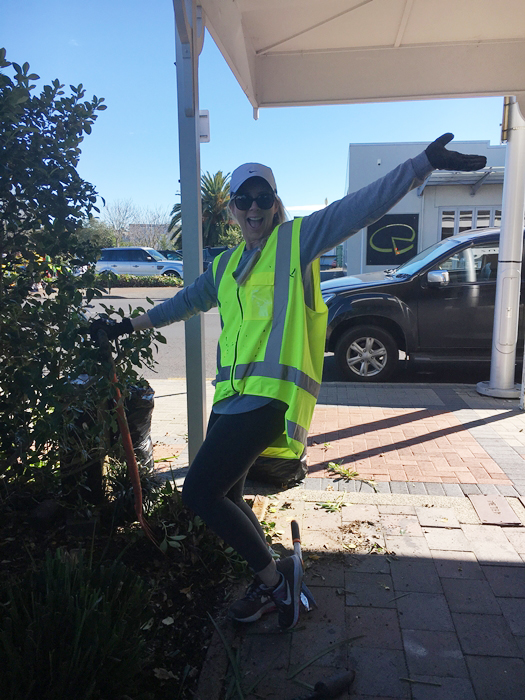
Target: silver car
point(138, 261)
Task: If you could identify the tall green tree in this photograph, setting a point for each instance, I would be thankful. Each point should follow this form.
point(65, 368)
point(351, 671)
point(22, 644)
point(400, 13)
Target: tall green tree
point(96, 232)
point(216, 219)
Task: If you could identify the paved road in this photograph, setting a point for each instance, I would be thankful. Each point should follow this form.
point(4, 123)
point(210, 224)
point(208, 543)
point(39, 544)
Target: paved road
point(171, 356)
point(171, 362)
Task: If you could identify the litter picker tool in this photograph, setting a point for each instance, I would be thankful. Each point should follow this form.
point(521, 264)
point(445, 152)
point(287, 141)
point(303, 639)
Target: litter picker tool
point(307, 599)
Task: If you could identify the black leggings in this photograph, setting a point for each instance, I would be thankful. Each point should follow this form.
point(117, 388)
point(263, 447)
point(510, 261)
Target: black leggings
point(214, 486)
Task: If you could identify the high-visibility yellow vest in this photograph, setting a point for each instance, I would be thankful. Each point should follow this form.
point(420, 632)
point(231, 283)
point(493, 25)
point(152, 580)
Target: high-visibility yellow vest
point(273, 337)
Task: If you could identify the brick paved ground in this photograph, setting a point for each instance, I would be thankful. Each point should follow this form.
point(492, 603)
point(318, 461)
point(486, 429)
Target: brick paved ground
point(420, 439)
point(435, 609)
point(399, 444)
point(397, 558)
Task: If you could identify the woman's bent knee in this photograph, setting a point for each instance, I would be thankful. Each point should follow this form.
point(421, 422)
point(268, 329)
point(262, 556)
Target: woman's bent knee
point(195, 497)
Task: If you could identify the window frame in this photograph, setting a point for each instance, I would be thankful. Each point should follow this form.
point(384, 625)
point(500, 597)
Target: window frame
point(494, 217)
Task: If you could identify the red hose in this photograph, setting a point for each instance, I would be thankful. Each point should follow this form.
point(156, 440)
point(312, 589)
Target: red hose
point(131, 461)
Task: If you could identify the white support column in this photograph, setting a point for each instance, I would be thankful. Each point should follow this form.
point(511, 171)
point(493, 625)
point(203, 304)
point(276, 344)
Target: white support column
point(506, 312)
point(189, 34)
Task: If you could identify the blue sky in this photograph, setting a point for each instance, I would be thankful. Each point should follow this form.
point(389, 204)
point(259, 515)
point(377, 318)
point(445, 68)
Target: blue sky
point(124, 51)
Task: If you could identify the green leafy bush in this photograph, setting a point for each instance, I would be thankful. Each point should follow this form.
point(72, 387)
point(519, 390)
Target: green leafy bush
point(43, 204)
point(120, 489)
point(138, 281)
point(72, 630)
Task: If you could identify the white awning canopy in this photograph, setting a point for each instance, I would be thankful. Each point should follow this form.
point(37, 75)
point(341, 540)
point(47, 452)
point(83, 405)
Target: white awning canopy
point(305, 52)
point(493, 175)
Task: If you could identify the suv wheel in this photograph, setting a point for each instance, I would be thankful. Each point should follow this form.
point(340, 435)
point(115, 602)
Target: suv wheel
point(171, 273)
point(367, 354)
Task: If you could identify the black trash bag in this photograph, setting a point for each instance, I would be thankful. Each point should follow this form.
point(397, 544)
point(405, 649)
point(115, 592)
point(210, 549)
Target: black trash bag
point(279, 472)
point(139, 411)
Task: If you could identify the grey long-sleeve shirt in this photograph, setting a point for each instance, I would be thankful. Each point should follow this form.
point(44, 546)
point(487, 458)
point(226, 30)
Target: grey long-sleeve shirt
point(321, 231)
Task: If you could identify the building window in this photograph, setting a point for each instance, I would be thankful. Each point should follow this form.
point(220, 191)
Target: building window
point(483, 218)
point(458, 219)
point(448, 218)
point(466, 220)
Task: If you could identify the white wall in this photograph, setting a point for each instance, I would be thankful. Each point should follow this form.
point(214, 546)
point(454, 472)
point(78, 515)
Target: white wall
point(368, 162)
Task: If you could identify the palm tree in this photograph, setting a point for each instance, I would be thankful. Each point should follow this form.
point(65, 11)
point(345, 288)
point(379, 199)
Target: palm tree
point(216, 219)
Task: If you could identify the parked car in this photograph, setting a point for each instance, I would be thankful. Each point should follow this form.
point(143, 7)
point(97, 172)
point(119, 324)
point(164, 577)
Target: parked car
point(208, 254)
point(437, 307)
point(138, 261)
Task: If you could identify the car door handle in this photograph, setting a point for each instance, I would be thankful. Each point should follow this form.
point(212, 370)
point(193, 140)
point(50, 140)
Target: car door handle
point(134, 266)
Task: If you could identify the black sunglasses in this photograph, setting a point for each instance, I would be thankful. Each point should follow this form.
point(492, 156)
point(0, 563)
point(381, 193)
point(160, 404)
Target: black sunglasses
point(264, 200)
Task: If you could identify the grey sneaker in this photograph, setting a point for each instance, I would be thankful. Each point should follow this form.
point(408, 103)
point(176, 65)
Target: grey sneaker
point(256, 603)
point(287, 594)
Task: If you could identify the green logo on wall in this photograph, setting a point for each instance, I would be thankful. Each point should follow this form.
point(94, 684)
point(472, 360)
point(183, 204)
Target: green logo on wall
point(392, 240)
point(396, 242)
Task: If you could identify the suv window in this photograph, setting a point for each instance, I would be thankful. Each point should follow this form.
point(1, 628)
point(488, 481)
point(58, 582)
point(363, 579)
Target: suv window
point(425, 257)
point(475, 264)
point(153, 255)
point(136, 255)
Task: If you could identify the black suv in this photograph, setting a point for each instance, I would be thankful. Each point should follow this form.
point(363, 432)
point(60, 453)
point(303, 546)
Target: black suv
point(438, 306)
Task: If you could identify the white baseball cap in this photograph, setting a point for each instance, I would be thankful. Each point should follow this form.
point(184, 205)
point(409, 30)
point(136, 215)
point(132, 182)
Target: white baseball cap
point(248, 170)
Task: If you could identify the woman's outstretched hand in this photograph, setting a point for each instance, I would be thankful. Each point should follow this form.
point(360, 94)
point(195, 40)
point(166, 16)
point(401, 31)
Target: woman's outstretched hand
point(443, 159)
point(112, 330)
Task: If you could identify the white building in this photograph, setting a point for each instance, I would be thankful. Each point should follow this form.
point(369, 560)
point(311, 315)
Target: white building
point(447, 203)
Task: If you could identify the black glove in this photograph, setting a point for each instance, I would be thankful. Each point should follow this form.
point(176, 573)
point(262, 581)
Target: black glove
point(111, 329)
point(441, 159)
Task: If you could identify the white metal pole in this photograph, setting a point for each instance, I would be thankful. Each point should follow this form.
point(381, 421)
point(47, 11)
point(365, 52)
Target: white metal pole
point(508, 284)
point(191, 215)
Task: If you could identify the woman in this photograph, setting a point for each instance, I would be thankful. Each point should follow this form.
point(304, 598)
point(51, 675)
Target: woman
point(270, 352)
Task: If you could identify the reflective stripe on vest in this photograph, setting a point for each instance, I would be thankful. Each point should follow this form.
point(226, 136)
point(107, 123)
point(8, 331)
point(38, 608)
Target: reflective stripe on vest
point(272, 343)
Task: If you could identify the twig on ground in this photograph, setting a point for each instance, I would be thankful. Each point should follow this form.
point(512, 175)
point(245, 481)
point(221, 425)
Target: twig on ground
point(412, 680)
point(399, 596)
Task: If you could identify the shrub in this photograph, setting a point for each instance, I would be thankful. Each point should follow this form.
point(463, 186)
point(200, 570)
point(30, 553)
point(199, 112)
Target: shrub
point(138, 281)
point(43, 204)
point(120, 489)
point(72, 630)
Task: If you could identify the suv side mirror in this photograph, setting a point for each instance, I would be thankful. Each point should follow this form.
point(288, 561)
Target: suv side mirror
point(438, 278)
